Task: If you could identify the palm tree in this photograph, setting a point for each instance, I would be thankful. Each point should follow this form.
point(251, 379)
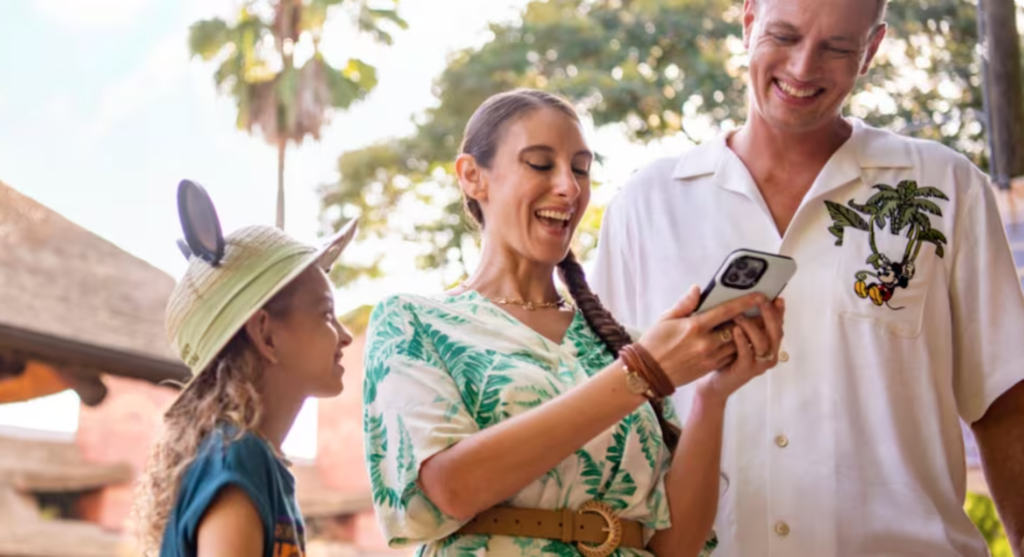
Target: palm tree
point(905, 206)
point(258, 54)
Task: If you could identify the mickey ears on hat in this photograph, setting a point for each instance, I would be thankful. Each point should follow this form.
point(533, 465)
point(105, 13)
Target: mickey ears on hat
point(199, 222)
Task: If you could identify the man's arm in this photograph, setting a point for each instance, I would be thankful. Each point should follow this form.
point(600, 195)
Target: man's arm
point(1000, 436)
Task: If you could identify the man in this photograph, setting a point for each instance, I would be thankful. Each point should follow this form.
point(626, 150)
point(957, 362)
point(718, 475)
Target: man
point(905, 314)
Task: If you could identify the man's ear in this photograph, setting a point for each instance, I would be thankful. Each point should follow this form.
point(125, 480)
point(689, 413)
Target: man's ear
point(749, 15)
point(471, 178)
point(261, 334)
point(876, 41)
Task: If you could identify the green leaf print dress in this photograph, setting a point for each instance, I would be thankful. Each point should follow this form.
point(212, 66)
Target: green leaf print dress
point(441, 368)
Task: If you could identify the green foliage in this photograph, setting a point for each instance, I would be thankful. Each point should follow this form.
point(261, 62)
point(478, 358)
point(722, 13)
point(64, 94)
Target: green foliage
point(982, 511)
point(656, 68)
point(269, 61)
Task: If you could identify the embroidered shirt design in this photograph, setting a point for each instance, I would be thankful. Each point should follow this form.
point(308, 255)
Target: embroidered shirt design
point(904, 210)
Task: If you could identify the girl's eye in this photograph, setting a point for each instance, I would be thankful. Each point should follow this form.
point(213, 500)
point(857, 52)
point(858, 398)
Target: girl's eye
point(581, 172)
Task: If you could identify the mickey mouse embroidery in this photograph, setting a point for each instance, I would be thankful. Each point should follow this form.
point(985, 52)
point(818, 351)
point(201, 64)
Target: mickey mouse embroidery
point(904, 208)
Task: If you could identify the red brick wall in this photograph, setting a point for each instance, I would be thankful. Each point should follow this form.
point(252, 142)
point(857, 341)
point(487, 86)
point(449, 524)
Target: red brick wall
point(339, 456)
point(120, 430)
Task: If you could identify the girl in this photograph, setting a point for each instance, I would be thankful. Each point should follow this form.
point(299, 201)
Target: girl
point(253, 318)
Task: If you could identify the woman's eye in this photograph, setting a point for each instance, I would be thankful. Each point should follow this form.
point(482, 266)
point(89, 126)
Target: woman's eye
point(540, 167)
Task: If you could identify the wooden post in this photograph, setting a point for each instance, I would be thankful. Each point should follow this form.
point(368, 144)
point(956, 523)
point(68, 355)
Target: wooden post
point(1005, 89)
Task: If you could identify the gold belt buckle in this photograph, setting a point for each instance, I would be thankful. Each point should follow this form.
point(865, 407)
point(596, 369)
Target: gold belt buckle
point(612, 526)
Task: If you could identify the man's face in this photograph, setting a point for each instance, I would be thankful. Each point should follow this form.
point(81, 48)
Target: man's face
point(806, 56)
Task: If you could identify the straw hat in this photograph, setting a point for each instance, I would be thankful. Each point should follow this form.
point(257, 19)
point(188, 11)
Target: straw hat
point(229, 279)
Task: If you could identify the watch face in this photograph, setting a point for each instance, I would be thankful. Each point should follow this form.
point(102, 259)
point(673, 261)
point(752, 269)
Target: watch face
point(636, 384)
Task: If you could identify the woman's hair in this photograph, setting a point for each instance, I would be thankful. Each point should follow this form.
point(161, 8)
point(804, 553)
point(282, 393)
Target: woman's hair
point(225, 393)
point(483, 134)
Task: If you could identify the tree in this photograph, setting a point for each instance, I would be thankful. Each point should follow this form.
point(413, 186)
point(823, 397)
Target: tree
point(271, 64)
point(654, 68)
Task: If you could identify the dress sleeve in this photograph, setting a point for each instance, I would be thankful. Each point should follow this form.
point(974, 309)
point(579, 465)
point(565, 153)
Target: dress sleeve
point(412, 410)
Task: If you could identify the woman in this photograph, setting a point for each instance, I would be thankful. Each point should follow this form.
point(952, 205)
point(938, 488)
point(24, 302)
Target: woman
point(502, 419)
point(253, 318)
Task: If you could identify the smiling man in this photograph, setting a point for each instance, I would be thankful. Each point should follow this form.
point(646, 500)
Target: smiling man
point(905, 315)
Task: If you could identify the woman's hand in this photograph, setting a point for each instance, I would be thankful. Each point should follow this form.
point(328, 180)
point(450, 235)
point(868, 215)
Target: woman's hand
point(690, 346)
point(757, 344)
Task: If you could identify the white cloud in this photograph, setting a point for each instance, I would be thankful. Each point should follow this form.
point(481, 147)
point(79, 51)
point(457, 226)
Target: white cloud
point(93, 15)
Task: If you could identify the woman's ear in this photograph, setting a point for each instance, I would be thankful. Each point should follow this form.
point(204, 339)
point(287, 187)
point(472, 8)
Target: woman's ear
point(260, 331)
point(471, 178)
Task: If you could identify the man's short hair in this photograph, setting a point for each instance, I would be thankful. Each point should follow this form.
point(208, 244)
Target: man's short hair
point(880, 16)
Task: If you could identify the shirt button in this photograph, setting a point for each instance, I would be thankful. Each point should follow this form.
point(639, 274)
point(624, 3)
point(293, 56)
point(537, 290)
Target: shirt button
point(782, 441)
point(782, 529)
point(783, 356)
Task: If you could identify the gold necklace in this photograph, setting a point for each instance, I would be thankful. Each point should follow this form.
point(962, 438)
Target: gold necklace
point(527, 305)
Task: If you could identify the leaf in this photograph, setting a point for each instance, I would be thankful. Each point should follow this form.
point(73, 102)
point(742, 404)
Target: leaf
point(931, 192)
point(207, 38)
point(560, 549)
point(875, 260)
point(490, 400)
point(590, 473)
point(617, 449)
point(843, 217)
point(376, 446)
point(622, 489)
point(927, 206)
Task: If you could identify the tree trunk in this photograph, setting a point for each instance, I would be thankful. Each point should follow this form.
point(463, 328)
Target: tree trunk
point(281, 144)
point(1006, 89)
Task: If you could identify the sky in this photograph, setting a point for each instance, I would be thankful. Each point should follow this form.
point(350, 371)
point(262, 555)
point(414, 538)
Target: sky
point(102, 113)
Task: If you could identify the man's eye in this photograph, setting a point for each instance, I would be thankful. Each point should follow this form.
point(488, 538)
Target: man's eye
point(784, 39)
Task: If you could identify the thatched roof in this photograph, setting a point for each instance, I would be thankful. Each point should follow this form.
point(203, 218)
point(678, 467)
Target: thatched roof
point(72, 298)
point(29, 464)
point(32, 464)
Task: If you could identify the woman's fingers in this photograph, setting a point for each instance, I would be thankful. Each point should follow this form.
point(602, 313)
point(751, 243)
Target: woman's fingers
point(762, 344)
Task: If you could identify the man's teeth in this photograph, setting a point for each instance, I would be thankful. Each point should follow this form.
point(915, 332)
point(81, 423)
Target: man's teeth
point(801, 93)
point(556, 215)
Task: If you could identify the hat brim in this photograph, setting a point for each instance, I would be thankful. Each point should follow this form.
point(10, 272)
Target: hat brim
point(324, 257)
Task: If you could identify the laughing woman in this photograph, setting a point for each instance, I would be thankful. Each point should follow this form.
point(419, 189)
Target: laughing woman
point(502, 419)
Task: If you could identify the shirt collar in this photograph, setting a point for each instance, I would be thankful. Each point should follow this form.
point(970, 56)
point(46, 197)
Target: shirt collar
point(867, 147)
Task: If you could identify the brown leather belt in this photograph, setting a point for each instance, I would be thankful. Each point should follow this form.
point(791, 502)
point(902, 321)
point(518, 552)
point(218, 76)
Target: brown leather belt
point(594, 528)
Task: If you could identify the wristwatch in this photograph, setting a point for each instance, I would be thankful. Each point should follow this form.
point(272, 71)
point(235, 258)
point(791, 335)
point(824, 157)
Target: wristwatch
point(637, 384)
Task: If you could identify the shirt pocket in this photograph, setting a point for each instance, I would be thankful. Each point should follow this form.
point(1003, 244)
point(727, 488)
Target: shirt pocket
point(881, 280)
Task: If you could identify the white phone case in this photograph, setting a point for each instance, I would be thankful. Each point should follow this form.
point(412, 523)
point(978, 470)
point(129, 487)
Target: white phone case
point(779, 271)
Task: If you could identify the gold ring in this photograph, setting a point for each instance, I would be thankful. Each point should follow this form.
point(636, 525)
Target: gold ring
point(725, 335)
point(765, 358)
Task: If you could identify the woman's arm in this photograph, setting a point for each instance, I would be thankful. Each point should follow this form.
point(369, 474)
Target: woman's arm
point(231, 527)
point(498, 462)
point(494, 464)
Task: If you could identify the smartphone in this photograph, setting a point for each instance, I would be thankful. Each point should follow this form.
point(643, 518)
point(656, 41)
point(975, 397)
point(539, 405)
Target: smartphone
point(745, 271)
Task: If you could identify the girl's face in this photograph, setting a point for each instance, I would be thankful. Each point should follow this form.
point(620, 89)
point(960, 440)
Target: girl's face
point(307, 339)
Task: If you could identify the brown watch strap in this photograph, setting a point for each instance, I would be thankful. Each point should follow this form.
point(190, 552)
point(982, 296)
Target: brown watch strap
point(565, 525)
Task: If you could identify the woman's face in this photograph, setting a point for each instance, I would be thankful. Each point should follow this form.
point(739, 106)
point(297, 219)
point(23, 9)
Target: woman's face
point(537, 188)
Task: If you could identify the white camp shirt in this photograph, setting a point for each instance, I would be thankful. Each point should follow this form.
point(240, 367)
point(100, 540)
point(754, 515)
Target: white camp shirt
point(852, 444)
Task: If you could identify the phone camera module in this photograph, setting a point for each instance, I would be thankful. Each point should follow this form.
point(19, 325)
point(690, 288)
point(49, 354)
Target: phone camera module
point(744, 272)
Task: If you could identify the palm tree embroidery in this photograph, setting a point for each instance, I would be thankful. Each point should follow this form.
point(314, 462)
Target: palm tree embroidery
point(905, 207)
